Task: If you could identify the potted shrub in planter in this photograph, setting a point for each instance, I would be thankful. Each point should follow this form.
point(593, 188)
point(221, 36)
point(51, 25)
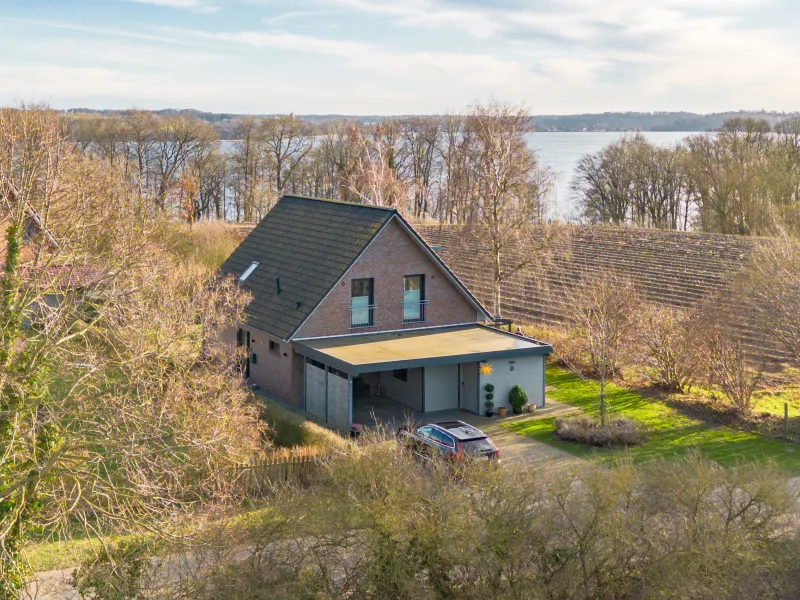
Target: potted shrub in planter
point(489, 399)
point(517, 398)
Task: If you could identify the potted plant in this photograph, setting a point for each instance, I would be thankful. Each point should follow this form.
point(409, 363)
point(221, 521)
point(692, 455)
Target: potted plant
point(501, 412)
point(489, 397)
point(517, 398)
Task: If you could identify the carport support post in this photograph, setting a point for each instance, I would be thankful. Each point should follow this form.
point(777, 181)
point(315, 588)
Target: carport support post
point(350, 398)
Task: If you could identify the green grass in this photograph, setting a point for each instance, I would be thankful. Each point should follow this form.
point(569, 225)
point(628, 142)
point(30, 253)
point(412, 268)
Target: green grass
point(670, 434)
point(290, 429)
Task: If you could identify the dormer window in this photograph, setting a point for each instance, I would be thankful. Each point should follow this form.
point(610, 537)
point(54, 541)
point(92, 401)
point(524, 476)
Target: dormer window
point(249, 271)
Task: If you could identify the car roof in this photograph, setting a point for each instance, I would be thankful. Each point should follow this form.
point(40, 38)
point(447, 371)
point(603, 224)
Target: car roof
point(460, 430)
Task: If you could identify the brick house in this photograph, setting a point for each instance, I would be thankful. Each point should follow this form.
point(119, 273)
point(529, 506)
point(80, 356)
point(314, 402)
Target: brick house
point(350, 304)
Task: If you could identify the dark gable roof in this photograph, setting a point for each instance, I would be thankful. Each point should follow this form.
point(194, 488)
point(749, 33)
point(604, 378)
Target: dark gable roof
point(307, 243)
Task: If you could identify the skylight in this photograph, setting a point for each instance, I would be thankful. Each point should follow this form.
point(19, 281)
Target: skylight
point(249, 271)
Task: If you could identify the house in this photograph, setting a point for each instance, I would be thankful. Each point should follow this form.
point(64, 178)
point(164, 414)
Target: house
point(349, 303)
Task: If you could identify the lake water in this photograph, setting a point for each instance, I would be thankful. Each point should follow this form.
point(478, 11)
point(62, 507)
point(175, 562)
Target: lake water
point(562, 151)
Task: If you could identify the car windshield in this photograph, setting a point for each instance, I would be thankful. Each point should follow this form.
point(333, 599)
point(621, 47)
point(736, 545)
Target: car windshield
point(477, 446)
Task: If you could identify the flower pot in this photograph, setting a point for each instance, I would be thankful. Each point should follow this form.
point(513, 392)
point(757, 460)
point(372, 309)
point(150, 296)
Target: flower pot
point(489, 413)
point(501, 412)
point(530, 408)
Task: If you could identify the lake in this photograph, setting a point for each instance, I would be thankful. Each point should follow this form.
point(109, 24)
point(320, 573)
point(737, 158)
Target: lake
point(562, 151)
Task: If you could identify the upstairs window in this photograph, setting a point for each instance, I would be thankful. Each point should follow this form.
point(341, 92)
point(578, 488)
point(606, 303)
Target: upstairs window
point(362, 308)
point(249, 271)
point(414, 298)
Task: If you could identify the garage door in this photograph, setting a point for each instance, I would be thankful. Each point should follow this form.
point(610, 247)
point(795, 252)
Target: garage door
point(338, 399)
point(315, 388)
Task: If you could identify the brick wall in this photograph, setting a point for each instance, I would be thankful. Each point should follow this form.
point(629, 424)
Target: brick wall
point(279, 374)
point(391, 256)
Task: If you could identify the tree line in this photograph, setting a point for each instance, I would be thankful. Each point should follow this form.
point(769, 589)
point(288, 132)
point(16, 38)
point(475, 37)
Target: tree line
point(441, 167)
point(743, 179)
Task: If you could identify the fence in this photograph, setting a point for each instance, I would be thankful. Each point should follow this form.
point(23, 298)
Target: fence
point(264, 471)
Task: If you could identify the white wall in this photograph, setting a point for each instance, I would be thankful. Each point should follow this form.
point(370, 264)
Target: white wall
point(441, 387)
point(528, 373)
point(408, 393)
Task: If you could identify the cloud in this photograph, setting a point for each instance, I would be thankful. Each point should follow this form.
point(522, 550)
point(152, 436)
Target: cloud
point(203, 6)
point(477, 69)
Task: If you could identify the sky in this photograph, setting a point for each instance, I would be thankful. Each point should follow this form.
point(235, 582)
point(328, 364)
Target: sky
point(403, 56)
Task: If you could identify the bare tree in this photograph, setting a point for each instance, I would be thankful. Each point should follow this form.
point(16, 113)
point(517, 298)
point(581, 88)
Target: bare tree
point(769, 285)
point(249, 171)
point(119, 406)
point(727, 365)
point(604, 310)
point(375, 179)
point(287, 141)
point(176, 141)
point(510, 187)
point(665, 335)
point(421, 142)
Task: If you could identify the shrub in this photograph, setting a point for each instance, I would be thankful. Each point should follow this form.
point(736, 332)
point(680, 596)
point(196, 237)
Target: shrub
point(665, 336)
point(489, 396)
point(517, 398)
point(728, 367)
point(581, 532)
point(585, 430)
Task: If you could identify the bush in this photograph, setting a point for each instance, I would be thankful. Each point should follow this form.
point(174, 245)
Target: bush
point(585, 430)
point(517, 398)
point(588, 532)
point(668, 341)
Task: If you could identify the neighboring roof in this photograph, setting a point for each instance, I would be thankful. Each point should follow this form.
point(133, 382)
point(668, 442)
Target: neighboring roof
point(65, 277)
point(308, 244)
point(365, 353)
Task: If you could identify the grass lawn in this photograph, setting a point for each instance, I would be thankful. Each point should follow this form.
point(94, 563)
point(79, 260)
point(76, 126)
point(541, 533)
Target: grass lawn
point(670, 434)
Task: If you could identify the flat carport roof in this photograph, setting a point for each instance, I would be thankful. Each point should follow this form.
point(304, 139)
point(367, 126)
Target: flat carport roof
point(365, 353)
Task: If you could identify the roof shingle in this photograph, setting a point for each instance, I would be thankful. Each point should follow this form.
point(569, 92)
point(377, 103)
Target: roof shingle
point(308, 244)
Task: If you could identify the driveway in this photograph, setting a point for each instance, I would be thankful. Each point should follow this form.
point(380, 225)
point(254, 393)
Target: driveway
point(514, 448)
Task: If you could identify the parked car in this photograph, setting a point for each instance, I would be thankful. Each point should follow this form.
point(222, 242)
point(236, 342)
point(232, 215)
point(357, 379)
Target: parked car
point(453, 439)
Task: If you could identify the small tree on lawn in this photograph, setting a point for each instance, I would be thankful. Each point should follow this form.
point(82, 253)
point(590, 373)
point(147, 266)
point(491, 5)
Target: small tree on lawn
point(603, 310)
point(727, 366)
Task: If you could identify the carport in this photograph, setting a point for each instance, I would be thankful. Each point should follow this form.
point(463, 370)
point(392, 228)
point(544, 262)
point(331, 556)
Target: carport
point(422, 370)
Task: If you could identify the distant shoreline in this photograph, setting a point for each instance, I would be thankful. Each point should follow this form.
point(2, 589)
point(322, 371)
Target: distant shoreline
point(226, 124)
